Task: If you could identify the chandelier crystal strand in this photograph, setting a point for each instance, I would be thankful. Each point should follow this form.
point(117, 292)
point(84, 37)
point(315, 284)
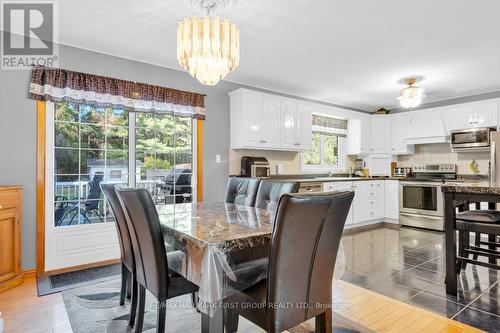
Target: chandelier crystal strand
point(208, 49)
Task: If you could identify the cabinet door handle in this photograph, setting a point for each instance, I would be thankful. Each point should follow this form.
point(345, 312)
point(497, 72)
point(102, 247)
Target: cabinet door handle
point(263, 141)
point(297, 144)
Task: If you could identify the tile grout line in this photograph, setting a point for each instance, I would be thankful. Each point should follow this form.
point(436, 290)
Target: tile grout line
point(475, 299)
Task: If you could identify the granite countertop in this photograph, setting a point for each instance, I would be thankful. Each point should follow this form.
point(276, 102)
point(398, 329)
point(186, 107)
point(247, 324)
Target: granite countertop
point(481, 187)
point(226, 225)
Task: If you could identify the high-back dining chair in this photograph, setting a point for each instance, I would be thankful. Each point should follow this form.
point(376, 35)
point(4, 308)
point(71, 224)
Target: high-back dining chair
point(150, 255)
point(304, 244)
point(242, 190)
point(270, 191)
point(127, 254)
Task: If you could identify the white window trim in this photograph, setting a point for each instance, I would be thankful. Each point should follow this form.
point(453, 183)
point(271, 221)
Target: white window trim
point(342, 154)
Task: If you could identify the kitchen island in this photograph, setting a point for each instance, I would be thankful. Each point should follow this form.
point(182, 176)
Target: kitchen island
point(456, 194)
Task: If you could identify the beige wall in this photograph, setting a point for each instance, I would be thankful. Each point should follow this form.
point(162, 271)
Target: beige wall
point(441, 153)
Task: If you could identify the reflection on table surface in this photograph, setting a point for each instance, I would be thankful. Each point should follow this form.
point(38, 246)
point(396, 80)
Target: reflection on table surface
point(215, 222)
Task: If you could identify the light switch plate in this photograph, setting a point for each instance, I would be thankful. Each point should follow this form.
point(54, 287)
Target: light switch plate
point(217, 158)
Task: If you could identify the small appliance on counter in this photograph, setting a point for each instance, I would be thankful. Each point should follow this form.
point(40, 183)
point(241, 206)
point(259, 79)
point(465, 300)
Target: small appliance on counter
point(255, 167)
point(404, 172)
point(359, 166)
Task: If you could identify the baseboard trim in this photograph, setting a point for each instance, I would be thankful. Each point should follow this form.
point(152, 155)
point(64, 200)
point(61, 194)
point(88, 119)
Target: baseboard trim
point(370, 226)
point(80, 267)
point(30, 273)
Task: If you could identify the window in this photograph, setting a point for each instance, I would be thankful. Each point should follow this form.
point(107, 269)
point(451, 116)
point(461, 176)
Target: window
point(91, 146)
point(328, 145)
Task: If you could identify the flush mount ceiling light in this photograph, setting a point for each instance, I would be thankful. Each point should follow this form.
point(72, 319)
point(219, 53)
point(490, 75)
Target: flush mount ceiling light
point(411, 96)
point(208, 48)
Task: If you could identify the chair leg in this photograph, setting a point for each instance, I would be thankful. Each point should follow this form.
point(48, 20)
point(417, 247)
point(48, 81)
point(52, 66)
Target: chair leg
point(491, 246)
point(231, 321)
point(324, 322)
point(123, 289)
point(461, 247)
point(133, 306)
point(130, 279)
point(161, 317)
point(140, 308)
point(477, 240)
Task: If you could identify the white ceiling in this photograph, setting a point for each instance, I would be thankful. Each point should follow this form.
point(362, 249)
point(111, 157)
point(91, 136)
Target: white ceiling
point(347, 52)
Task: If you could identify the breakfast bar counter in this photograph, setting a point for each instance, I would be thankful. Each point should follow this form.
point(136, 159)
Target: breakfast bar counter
point(456, 194)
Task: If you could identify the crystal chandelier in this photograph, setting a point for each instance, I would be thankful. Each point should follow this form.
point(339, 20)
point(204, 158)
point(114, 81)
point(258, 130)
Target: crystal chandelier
point(411, 97)
point(208, 48)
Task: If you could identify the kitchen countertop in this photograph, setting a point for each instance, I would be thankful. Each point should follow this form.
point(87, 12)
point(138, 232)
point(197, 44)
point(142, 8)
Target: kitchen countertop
point(472, 188)
point(349, 179)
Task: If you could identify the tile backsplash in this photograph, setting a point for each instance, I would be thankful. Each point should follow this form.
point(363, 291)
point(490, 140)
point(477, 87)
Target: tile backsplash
point(441, 153)
point(289, 160)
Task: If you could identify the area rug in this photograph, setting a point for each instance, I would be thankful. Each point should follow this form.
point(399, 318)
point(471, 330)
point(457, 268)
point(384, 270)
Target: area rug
point(95, 309)
point(59, 282)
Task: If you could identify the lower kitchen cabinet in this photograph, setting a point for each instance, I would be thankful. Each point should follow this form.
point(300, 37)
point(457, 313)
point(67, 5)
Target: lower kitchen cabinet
point(391, 199)
point(341, 186)
point(368, 203)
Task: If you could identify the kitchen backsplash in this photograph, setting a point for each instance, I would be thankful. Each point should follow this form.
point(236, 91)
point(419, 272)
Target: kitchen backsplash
point(290, 160)
point(441, 153)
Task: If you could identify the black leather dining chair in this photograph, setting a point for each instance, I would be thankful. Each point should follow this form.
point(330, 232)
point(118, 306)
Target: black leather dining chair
point(304, 243)
point(269, 193)
point(127, 254)
point(150, 255)
point(242, 190)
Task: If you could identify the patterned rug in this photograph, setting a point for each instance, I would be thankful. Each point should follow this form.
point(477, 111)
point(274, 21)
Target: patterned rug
point(95, 309)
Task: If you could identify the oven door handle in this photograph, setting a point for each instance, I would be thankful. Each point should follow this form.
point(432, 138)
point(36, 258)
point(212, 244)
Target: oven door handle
point(420, 215)
point(416, 184)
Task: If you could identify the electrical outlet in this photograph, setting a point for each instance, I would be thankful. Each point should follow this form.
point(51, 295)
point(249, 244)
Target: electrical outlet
point(217, 158)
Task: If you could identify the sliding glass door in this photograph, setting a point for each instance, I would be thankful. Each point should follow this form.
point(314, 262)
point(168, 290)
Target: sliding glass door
point(88, 146)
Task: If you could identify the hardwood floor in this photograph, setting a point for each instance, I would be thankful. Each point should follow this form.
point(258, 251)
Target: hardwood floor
point(23, 311)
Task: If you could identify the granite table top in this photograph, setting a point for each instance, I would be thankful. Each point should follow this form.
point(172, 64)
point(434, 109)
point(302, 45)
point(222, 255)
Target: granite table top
point(472, 188)
point(223, 224)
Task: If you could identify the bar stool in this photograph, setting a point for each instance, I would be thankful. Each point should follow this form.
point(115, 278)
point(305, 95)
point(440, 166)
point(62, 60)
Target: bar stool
point(480, 222)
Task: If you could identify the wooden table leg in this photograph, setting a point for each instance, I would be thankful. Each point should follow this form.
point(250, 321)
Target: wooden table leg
point(324, 322)
point(450, 244)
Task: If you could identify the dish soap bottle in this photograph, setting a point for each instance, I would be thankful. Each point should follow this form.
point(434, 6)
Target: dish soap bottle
point(474, 167)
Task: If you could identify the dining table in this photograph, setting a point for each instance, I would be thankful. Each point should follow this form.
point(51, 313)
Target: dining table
point(225, 248)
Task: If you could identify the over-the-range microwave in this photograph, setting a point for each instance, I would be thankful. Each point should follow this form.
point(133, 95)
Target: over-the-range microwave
point(471, 139)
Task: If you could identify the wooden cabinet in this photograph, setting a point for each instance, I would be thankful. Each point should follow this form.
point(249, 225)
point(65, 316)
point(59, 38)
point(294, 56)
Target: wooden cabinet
point(11, 273)
point(265, 121)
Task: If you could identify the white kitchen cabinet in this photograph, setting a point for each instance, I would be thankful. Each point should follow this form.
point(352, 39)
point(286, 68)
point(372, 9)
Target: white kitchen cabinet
point(425, 126)
point(470, 115)
point(380, 133)
point(399, 133)
point(296, 126)
point(358, 136)
point(368, 200)
point(265, 121)
point(341, 186)
point(391, 199)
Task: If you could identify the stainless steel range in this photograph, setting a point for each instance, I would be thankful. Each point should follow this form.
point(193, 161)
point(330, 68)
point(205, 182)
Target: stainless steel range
point(420, 197)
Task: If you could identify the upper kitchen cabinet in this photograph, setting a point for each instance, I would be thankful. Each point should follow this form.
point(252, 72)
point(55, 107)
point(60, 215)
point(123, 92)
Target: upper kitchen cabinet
point(358, 136)
point(425, 126)
point(265, 121)
point(380, 133)
point(470, 115)
point(399, 133)
point(296, 120)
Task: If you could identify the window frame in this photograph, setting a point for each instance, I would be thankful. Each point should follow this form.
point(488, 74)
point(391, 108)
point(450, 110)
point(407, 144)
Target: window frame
point(341, 155)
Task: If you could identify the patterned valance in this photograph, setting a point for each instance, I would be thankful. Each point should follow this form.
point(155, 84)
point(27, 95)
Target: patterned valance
point(56, 85)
